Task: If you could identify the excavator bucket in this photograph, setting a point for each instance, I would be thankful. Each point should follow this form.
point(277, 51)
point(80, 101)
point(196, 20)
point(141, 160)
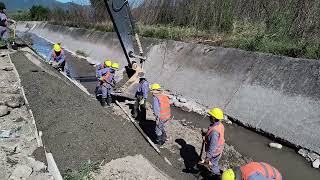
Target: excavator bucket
point(120, 15)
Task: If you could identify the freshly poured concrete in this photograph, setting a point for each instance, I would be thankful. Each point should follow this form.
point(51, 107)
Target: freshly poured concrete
point(279, 95)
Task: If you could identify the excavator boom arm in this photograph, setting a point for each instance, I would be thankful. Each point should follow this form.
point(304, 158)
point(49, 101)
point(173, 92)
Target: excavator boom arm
point(120, 15)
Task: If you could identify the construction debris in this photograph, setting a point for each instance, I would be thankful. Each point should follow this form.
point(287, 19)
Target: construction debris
point(316, 163)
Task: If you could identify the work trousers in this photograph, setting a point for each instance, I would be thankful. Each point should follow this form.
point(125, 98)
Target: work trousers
point(160, 131)
point(215, 167)
point(4, 32)
point(139, 110)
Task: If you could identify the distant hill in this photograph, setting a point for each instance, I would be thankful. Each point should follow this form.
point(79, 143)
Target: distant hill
point(14, 5)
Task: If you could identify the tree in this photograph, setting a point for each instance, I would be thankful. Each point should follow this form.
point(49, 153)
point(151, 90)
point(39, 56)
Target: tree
point(39, 13)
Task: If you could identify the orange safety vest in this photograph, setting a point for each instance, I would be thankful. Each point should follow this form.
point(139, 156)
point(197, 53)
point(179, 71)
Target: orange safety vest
point(165, 111)
point(219, 129)
point(106, 77)
point(55, 55)
point(263, 168)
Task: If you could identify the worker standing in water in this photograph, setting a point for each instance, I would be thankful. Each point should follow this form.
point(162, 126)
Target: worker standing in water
point(162, 111)
point(139, 109)
point(4, 22)
point(252, 171)
point(214, 141)
point(57, 58)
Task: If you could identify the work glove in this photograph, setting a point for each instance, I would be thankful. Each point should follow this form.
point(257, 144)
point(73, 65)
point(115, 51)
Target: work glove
point(142, 101)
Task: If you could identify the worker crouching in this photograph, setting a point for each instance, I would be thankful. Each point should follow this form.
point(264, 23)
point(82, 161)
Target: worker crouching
point(56, 57)
point(214, 141)
point(106, 83)
point(162, 111)
point(252, 171)
point(141, 95)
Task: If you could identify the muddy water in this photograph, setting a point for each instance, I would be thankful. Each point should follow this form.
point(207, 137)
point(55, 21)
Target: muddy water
point(291, 165)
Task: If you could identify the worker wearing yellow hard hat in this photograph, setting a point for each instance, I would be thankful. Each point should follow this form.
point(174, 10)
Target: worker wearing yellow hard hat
point(162, 111)
point(115, 66)
point(214, 141)
point(252, 171)
point(57, 58)
point(105, 76)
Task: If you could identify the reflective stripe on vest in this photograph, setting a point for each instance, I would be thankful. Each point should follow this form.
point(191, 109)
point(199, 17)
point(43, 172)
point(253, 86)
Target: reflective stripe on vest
point(262, 168)
point(219, 129)
point(165, 111)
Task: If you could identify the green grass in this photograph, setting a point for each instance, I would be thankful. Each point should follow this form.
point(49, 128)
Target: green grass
point(84, 173)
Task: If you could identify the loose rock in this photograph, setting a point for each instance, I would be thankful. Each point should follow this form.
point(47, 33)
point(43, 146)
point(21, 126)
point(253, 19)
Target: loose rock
point(21, 171)
point(303, 152)
point(313, 156)
point(3, 110)
point(182, 99)
point(316, 163)
point(36, 165)
point(275, 145)
point(7, 68)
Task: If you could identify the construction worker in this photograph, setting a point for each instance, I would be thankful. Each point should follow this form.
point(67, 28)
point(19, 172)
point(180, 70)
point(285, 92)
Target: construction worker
point(252, 171)
point(56, 57)
point(106, 64)
point(4, 22)
point(106, 81)
point(162, 111)
point(141, 97)
point(115, 67)
point(214, 141)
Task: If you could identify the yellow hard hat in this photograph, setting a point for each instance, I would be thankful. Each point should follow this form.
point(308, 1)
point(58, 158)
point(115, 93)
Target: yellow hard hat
point(57, 48)
point(115, 65)
point(228, 175)
point(107, 63)
point(216, 113)
point(155, 87)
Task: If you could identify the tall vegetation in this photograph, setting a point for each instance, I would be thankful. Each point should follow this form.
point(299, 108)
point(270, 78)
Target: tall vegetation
point(39, 13)
point(285, 27)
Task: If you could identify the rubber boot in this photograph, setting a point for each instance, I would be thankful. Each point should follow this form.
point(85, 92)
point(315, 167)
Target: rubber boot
point(103, 102)
point(109, 101)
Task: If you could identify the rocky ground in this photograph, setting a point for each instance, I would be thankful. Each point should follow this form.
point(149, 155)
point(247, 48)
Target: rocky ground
point(18, 133)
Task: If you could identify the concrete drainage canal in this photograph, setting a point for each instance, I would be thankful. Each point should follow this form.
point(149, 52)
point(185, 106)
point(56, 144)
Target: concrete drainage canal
point(246, 142)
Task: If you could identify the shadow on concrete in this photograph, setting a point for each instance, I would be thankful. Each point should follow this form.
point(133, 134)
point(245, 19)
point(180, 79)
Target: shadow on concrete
point(191, 158)
point(148, 126)
point(86, 78)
